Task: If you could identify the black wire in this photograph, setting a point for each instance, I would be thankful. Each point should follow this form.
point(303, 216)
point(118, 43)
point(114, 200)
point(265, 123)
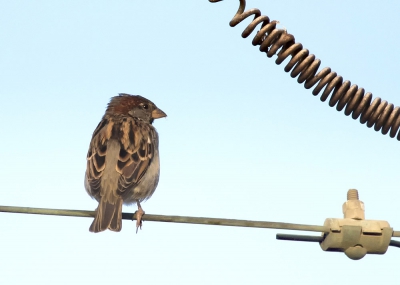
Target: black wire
point(394, 243)
point(299, 238)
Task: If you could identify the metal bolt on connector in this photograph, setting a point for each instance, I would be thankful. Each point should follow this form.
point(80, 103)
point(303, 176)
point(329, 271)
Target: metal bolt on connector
point(353, 208)
point(352, 194)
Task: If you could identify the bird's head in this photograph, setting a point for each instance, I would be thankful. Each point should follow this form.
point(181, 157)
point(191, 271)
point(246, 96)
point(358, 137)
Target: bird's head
point(135, 106)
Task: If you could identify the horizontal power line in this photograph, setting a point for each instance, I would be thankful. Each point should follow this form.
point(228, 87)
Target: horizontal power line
point(170, 219)
point(175, 219)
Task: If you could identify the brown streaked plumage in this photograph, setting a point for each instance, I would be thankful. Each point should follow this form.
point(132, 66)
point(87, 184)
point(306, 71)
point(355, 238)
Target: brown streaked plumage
point(123, 162)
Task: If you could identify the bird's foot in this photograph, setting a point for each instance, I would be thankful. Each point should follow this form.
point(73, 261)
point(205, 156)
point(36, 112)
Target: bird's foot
point(139, 214)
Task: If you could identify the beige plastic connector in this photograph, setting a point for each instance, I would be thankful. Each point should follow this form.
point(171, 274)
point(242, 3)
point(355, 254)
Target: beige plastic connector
point(354, 235)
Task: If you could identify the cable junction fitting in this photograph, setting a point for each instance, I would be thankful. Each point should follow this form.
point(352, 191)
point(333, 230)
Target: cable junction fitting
point(352, 235)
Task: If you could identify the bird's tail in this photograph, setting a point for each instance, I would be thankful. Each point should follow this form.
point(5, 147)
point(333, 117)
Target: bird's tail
point(108, 215)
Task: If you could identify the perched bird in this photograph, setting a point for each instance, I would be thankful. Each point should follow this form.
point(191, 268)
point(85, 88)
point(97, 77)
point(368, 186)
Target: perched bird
point(123, 164)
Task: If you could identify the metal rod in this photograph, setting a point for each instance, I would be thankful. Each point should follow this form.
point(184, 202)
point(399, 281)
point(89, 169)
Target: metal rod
point(396, 234)
point(299, 238)
point(171, 219)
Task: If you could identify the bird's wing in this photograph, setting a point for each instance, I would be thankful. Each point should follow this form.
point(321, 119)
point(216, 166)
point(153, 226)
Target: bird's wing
point(136, 154)
point(137, 141)
point(96, 158)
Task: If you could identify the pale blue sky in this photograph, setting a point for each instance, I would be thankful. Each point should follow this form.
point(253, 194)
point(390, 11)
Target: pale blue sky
point(242, 139)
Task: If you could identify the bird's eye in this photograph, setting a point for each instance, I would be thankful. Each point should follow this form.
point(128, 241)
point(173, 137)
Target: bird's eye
point(145, 106)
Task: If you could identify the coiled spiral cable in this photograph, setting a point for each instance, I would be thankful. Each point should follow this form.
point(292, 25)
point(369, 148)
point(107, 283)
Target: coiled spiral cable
point(383, 116)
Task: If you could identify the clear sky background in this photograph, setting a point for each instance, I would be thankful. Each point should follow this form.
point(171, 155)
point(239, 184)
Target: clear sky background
point(242, 139)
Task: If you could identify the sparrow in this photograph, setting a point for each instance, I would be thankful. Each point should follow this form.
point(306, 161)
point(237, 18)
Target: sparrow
point(123, 165)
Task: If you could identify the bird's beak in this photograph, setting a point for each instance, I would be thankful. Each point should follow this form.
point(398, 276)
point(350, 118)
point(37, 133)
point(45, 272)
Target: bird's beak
point(157, 113)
